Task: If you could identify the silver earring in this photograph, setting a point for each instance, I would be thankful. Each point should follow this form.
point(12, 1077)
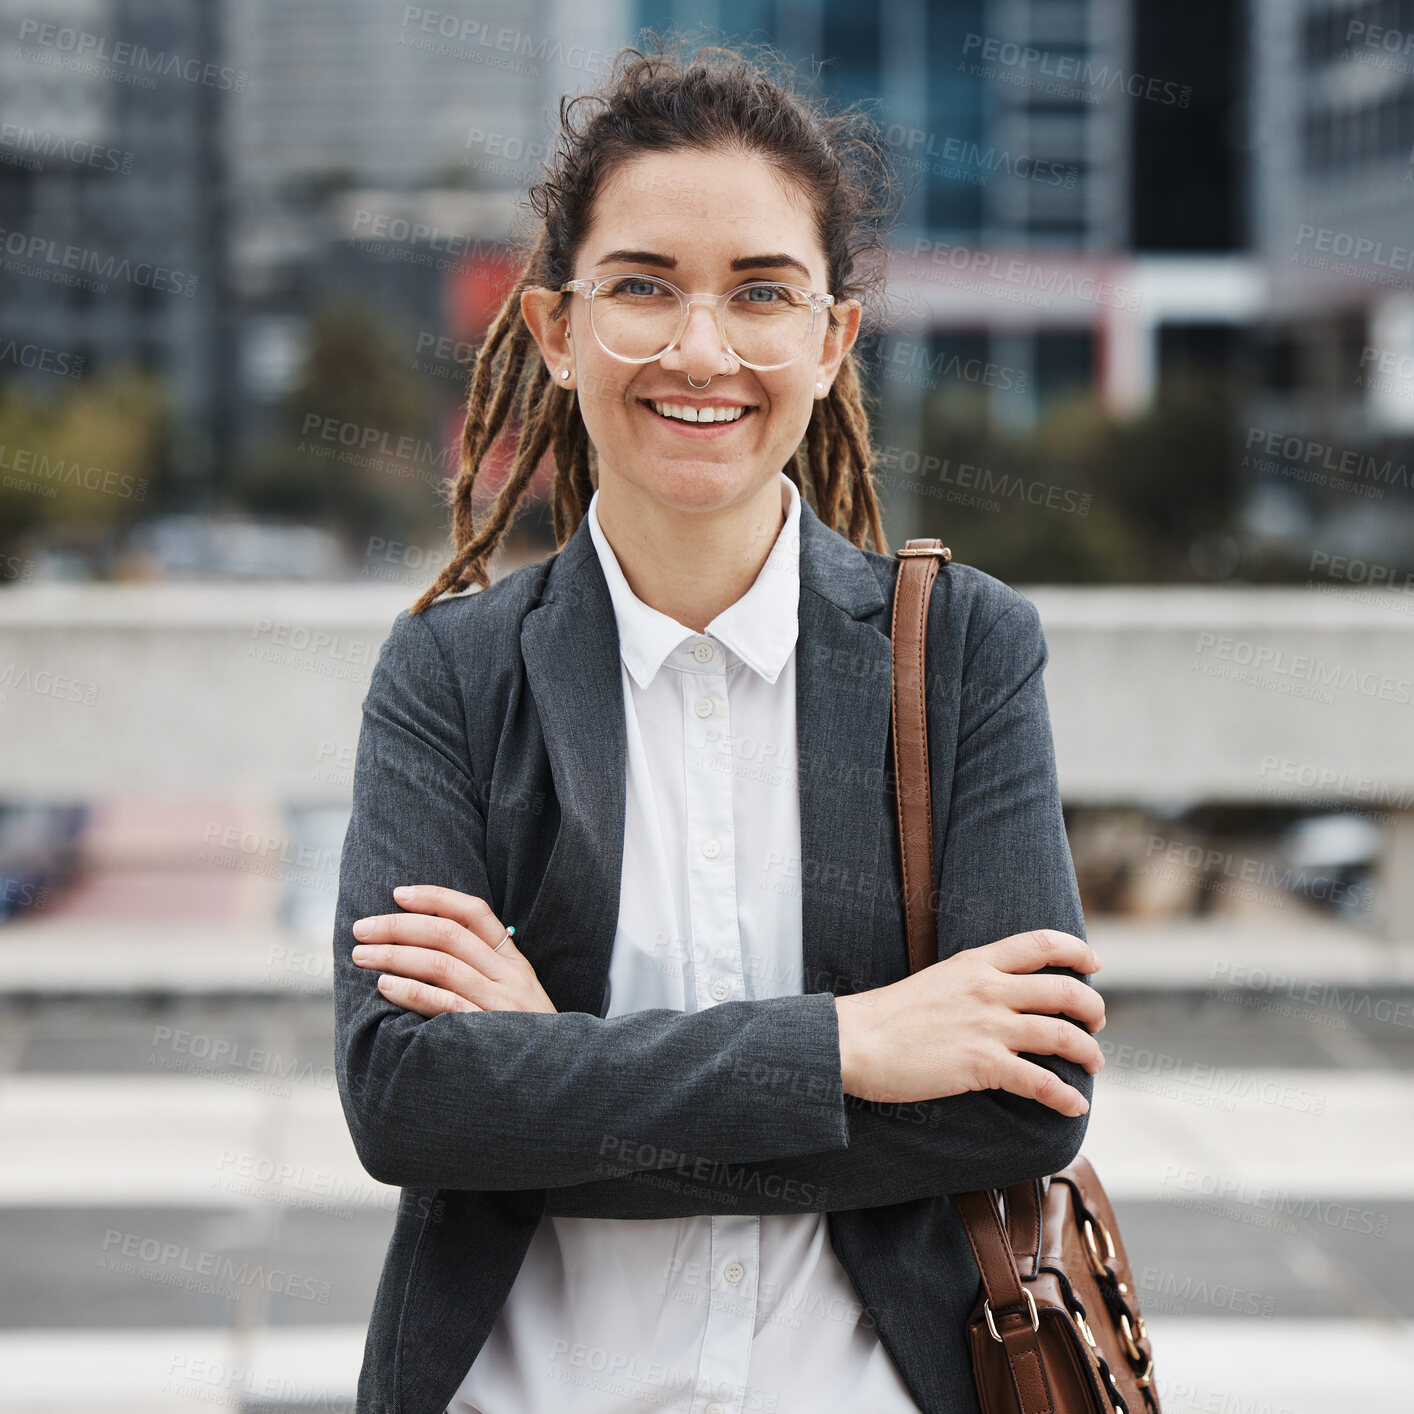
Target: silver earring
point(564, 373)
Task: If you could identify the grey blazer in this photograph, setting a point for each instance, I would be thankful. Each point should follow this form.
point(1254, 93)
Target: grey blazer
point(492, 760)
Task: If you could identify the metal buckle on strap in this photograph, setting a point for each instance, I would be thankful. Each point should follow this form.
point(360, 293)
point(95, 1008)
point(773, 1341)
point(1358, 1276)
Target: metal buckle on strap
point(992, 1325)
point(941, 551)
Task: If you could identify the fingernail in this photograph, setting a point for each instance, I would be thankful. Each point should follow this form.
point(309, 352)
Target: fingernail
point(1086, 1104)
point(362, 928)
point(402, 891)
point(360, 952)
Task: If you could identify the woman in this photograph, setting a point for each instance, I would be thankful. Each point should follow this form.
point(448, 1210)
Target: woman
point(684, 1140)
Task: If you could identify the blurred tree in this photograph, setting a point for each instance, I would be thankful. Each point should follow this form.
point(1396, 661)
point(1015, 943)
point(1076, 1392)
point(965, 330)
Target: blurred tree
point(316, 187)
point(358, 447)
point(78, 467)
point(1082, 497)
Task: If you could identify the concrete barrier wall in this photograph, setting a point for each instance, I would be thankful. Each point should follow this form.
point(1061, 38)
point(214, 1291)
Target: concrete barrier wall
point(1158, 695)
point(1188, 695)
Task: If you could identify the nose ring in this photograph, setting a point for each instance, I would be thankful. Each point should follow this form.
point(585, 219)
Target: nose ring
point(697, 385)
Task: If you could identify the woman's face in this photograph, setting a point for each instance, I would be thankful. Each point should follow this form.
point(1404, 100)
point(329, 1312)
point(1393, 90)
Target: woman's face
point(706, 222)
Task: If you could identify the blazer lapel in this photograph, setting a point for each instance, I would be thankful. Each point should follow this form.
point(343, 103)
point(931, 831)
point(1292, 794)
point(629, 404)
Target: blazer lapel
point(853, 939)
point(570, 647)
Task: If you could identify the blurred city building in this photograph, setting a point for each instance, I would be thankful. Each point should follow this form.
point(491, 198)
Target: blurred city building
point(1102, 196)
point(379, 151)
point(113, 204)
point(1332, 193)
point(1051, 147)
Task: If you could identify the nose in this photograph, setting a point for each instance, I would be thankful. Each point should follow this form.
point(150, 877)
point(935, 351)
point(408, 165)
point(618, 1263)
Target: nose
point(701, 352)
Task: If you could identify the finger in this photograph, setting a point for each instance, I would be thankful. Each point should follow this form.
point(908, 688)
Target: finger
point(1055, 1036)
point(505, 946)
point(422, 930)
point(419, 997)
point(1052, 995)
point(429, 965)
point(1044, 947)
point(474, 914)
point(1035, 1082)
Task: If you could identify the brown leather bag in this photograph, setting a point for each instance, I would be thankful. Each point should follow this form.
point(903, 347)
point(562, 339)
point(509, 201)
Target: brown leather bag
point(1056, 1328)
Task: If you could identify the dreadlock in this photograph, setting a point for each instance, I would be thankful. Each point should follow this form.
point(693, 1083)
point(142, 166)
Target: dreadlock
point(660, 102)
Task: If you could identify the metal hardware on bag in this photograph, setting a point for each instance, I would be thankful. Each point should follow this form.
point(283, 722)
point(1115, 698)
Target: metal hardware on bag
point(992, 1325)
point(1083, 1327)
point(1131, 1347)
point(1143, 1378)
point(941, 551)
point(1092, 1248)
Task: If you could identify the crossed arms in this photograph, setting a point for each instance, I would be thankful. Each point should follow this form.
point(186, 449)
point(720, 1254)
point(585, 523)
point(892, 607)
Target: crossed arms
point(662, 1113)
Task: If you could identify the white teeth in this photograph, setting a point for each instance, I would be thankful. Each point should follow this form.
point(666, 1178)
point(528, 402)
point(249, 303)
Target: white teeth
point(693, 414)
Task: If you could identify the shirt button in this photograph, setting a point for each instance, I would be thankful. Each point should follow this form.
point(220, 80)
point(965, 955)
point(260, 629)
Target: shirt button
point(704, 707)
point(734, 1272)
point(711, 848)
point(721, 988)
point(714, 1408)
point(704, 652)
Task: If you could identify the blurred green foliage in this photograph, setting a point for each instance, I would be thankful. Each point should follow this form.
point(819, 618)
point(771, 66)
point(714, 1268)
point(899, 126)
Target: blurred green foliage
point(357, 446)
point(1082, 496)
point(81, 461)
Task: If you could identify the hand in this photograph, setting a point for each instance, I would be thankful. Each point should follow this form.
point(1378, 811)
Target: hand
point(959, 1025)
point(438, 956)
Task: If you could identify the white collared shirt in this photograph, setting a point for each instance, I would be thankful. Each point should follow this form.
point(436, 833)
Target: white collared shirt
point(724, 1313)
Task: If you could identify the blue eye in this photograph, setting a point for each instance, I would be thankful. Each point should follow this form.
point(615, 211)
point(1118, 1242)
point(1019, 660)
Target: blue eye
point(634, 286)
point(771, 296)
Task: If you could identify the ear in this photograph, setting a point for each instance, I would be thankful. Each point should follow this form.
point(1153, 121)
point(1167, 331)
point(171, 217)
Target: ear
point(839, 339)
point(550, 334)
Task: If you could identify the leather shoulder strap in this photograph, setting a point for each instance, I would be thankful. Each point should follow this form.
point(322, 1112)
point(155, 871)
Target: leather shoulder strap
point(1023, 1224)
point(981, 1217)
point(918, 568)
point(1011, 1308)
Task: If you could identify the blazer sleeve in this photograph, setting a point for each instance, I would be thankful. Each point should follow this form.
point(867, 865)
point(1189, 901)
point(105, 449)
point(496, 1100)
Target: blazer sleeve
point(518, 1100)
point(1005, 868)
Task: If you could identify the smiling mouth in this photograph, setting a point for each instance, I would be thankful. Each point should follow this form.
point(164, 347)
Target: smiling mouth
point(695, 416)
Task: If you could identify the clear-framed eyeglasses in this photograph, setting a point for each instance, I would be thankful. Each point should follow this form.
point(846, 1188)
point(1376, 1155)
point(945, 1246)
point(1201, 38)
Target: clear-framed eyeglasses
point(763, 324)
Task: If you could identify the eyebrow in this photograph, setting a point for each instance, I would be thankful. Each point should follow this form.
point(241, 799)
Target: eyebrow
point(777, 261)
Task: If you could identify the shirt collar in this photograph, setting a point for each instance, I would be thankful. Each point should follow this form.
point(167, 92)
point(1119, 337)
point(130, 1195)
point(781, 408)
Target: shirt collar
point(760, 628)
